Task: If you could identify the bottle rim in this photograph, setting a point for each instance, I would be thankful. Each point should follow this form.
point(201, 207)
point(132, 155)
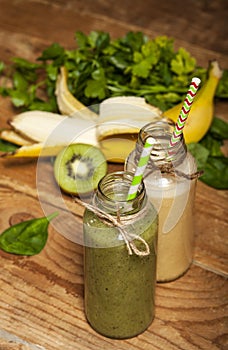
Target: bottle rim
point(126, 176)
point(112, 194)
point(162, 130)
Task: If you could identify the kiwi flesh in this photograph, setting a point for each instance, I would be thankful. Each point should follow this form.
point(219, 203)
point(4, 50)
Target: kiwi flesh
point(79, 167)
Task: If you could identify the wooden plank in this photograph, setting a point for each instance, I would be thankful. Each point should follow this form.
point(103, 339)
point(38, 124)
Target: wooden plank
point(211, 228)
point(198, 22)
point(18, 25)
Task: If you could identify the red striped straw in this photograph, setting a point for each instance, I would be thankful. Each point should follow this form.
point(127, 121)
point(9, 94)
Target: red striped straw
point(179, 126)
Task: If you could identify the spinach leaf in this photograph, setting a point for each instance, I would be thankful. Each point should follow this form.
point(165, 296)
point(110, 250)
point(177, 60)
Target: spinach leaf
point(200, 153)
point(216, 172)
point(219, 129)
point(209, 156)
point(26, 238)
point(212, 145)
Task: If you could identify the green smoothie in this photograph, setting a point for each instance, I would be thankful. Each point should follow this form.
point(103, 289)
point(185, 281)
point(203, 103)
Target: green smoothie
point(119, 288)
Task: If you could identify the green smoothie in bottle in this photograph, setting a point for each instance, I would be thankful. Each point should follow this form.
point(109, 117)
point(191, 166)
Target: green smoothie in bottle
point(120, 285)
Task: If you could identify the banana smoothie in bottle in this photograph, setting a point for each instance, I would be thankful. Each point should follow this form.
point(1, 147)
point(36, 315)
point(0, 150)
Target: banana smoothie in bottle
point(170, 185)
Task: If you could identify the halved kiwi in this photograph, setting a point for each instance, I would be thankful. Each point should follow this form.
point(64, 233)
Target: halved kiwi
point(79, 167)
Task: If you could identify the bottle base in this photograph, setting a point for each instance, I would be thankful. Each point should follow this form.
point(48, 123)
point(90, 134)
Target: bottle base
point(173, 278)
point(114, 335)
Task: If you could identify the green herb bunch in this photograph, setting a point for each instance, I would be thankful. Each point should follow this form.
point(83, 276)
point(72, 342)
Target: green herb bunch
point(99, 68)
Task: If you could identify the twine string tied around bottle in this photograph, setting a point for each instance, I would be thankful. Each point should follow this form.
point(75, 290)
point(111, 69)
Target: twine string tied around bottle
point(129, 238)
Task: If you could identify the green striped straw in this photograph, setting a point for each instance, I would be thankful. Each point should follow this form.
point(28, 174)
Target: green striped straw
point(142, 164)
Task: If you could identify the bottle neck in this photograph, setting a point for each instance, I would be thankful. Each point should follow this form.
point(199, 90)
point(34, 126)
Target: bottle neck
point(112, 193)
point(161, 154)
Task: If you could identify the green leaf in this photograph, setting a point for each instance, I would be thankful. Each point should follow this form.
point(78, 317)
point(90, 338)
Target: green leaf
point(50, 106)
point(151, 51)
point(134, 40)
point(2, 66)
point(213, 145)
point(142, 69)
point(165, 45)
point(27, 237)
point(6, 146)
point(92, 38)
point(95, 88)
point(119, 61)
point(52, 52)
point(20, 98)
point(200, 153)
point(164, 71)
point(183, 62)
point(81, 39)
point(219, 129)
point(102, 41)
point(52, 72)
point(98, 74)
point(22, 63)
point(145, 59)
point(222, 89)
point(216, 172)
point(19, 81)
point(27, 69)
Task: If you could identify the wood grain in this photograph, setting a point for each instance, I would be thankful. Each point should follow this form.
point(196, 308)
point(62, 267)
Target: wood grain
point(30, 31)
point(46, 292)
point(41, 297)
point(191, 21)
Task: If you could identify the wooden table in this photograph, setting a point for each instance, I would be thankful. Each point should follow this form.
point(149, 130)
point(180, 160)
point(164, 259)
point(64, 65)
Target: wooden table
point(41, 297)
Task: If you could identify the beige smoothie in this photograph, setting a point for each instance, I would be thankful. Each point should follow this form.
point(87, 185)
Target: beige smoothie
point(175, 235)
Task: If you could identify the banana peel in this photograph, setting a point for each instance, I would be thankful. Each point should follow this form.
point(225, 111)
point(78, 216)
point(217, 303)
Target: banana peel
point(202, 111)
point(13, 137)
point(34, 151)
point(67, 103)
point(47, 133)
point(41, 133)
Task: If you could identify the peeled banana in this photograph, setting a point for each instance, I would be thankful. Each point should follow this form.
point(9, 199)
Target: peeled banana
point(47, 133)
point(202, 111)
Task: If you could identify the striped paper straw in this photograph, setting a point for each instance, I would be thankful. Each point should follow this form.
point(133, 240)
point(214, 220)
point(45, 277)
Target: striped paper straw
point(143, 161)
point(179, 126)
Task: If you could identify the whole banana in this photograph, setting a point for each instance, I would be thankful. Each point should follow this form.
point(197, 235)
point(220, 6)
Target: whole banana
point(202, 111)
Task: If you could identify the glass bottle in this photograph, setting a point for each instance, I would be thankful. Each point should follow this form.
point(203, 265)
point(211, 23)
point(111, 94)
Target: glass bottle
point(171, 189)
point(119, 284)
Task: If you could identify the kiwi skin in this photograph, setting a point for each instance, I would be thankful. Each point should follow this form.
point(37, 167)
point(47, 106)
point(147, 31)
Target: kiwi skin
point(79, 167)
